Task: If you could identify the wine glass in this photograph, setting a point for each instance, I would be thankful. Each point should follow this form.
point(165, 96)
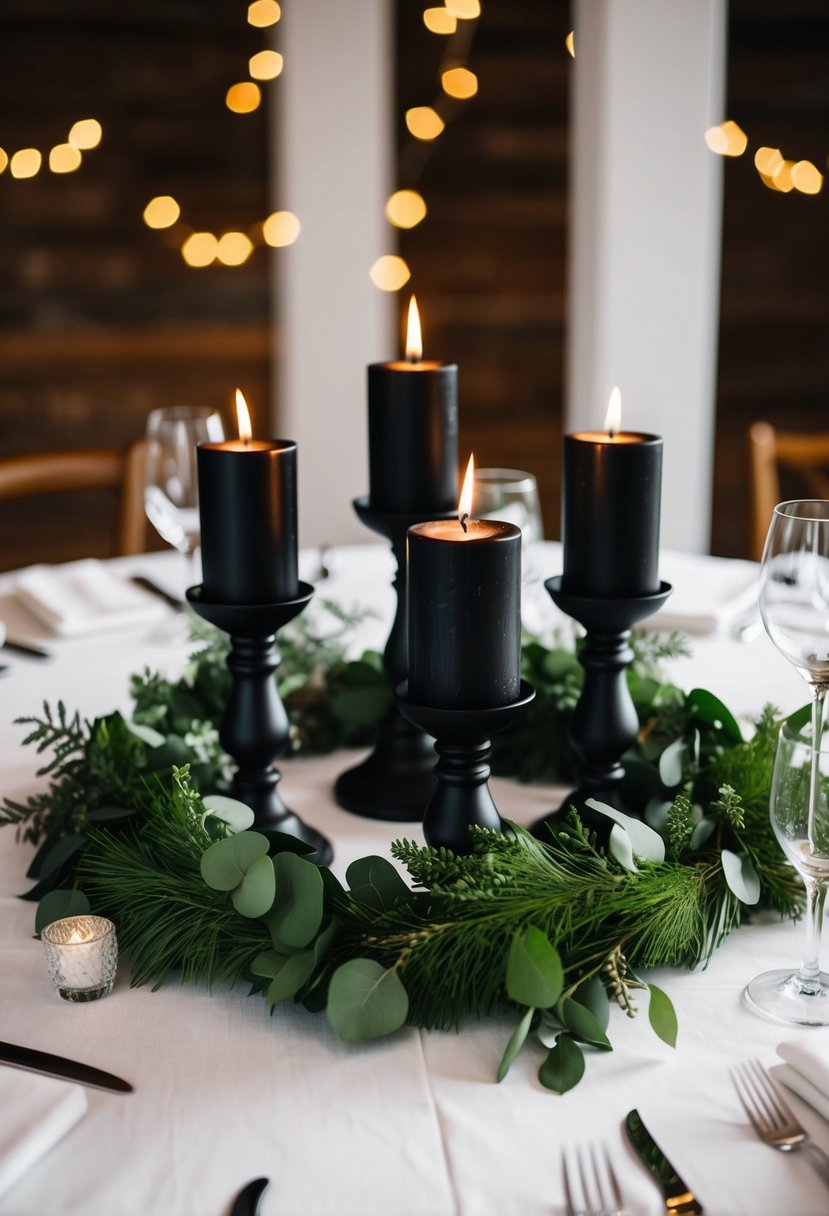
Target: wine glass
point(511, 496)
point(794, 606)
point(171, 484)
point(799, 806)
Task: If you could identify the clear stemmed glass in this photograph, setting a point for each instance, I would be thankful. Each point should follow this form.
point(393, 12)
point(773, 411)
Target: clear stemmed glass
point(171, 487)
point(794, 606)
point(511, 495)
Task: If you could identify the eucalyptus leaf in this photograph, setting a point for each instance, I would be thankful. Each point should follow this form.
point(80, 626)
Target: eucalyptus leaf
point(593, 995)
point(297, 912)
point(295, 971)
point(671, 763)
point(57, 904)
point(701, 833)
point(662, 1016)
point(516, 1042)
point(62, 851)
point(237, 815)
point(376, 882)
point(534, 972)
point(563, 1067)
point(282, 842)
point(268, 964)
point(34, 865)
point(710, 710)
point(620, 847)
point(225, 863)
point(325, 940)
point(366, 1001)
point(146, 734)
point(578, 1019)
point(254, 895)
point(656, 813)
point(741, 876)
point(109, 814)
point(647, 843)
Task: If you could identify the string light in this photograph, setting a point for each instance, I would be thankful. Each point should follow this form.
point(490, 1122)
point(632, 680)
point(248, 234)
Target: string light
point(440, 21)
point(243, 98)
point(460, 83)
point(727, 139)
point(280, 229)
point(405, 208)
point(86, 134)
point(263, 13)
point(265, 65)
point(424, 122)
point(4, 159)
point(64, 158)
point(200, 249)
point(25, 163)
point(161, 212)
point(807, 178)
point(234, 248)
point(390, 272)
point(570, 43)
point(464, 10)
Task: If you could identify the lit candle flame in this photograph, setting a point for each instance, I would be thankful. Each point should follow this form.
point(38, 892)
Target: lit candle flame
point(243, 416)
point(76, 937)
point(414, 337)
point(613, 418)
point(465, 501)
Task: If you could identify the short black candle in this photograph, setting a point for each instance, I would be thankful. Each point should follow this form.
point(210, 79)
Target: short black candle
point(464, 614)
point(248, 509)
point(610, 513)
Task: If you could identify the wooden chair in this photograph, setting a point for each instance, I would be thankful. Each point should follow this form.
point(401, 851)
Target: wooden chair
point(806, 453)
point(88, 469)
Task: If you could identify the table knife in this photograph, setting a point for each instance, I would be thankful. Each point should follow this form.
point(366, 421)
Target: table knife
point(25, 648)
point(246, 1202)
point(141, 580)
point(57, 1066)
point(679, 1198)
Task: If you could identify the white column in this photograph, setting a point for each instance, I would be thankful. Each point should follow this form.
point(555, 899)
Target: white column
point(332, 167)
point(645, 210)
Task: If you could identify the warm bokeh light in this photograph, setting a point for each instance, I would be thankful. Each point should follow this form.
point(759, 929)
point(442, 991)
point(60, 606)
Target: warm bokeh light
point(234, 248)
point(263, 13)
point(25, 163)
point(767, 160)
point(807, 178)
point(414, 335)
point(86, 134)
point(405, 208)
point(64, 158)
point(424, 122)
point(465, 10)
point(570, 43)
point(265, 65)
point(440, 21)
point(161, 211)
point(782, 177)
point(727, 139)
point(465, 500)
point(4, 160)
point(281, 228)
point(243, 417)
point(459, 82)
point(613, 417)
point(243, 98)
point(200, 249)
point(389, 273)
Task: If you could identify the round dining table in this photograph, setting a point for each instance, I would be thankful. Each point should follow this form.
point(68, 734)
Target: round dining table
point(412, 1125)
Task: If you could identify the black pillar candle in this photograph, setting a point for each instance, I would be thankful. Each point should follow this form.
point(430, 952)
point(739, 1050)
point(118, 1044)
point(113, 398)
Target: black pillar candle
point(247, 504)
point(413, 431)
point(610, 513)
point(464, 614)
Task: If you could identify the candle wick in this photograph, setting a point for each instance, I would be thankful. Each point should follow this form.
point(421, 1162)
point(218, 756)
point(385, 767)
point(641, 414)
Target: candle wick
point(464, 518)
point(412, 358)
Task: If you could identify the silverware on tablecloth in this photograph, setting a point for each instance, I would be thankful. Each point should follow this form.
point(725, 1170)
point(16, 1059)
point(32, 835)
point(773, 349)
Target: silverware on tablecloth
point(772, 1118)
point(246, 1202)
point(679, 1198)
point(147, 584)
point(27, 650)
point(591, 1187)
point(58, 1066)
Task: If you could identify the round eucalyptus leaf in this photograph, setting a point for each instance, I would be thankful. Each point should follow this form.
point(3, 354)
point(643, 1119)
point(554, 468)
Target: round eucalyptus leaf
point(254, 894)
point(516, 1042)
point(237, 815)
point(534, 972)
point(292, 975)
point(57, 904)
point(671, 763)
point(741, 876)
point(656, 813)
point(578, 1019)
point(268, 964)
point(365, 1001)
point(375, 881)
point(146, 734)
point(701, 833)
point(564, 1066)
point(662, 1016)
point(710, 710)
point(646, 843)
point(225, 863)
point(297, 912)
point(620, 847)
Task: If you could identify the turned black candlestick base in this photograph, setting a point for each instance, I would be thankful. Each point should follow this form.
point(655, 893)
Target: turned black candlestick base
point(397, 780)
point(462, 797)
point(605, 722)
point(255, 728)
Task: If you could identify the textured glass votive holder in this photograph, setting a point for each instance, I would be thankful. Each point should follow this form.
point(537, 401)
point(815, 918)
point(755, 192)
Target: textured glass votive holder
point(81, 956)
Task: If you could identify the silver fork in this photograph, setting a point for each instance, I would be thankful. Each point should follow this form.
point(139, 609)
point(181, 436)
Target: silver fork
point(772, 1118)
point(590, 1183)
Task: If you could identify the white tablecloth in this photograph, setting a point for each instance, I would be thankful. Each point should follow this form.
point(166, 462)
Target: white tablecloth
point(414, 1124)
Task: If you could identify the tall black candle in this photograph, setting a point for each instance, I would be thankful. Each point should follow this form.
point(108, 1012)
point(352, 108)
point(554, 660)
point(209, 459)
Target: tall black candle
point(610, 511)
point(464, 613)
point(413, 431)
point(248, 510)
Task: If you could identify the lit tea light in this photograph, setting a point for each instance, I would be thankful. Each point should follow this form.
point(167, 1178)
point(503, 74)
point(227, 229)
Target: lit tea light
point(81, 956)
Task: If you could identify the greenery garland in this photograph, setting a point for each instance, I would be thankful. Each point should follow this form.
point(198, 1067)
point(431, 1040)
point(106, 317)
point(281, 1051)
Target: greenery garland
point(556, 931)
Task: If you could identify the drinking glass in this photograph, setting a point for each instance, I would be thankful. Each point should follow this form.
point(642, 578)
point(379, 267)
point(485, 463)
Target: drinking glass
point(794, 606)
point(799, 806)
point(171, 484)
point(511, 496)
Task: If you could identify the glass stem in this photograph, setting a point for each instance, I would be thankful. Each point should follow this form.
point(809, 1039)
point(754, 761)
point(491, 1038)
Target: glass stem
point(818, 698)
point(807, 978)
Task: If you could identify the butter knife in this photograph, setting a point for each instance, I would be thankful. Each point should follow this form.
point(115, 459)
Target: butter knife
point(679, 1198)
point(58, 1066)
point(246, 1202)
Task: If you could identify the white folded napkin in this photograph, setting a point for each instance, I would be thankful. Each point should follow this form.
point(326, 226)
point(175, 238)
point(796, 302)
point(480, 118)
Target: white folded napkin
point(85, 597)
point(806, 1071)
point(706, 596)
point(35, 1112)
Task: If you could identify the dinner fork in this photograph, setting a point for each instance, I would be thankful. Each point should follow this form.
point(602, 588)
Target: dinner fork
point(772, 1118)
point(590, 1183)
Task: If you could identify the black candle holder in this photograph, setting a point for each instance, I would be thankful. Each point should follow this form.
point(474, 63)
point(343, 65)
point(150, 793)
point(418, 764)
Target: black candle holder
point(462, 797)
point(255, 728)
point(397, 780)
point(605, 722)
